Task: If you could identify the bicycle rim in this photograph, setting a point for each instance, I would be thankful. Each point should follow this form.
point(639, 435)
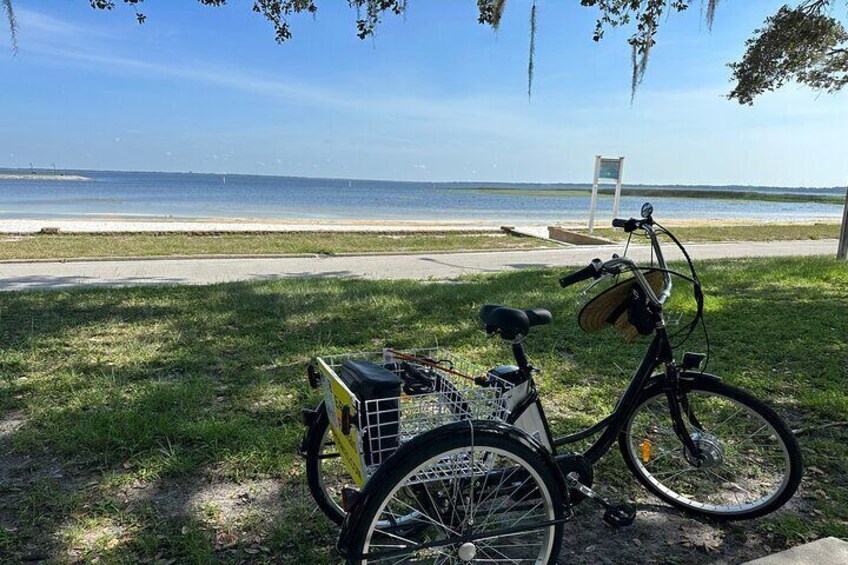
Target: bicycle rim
point(450, 500)
point(748, 464)
point(332, 475)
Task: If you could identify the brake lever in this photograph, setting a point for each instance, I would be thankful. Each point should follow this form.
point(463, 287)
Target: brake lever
point(674, 322)
point(595, 282)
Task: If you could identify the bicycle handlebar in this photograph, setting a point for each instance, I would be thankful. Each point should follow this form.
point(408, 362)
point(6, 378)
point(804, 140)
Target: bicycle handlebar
point(617, 264)
point(630, 225)
point(593, 270)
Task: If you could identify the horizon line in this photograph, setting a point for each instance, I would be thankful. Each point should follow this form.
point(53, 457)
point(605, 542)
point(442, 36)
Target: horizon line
point(451, 182)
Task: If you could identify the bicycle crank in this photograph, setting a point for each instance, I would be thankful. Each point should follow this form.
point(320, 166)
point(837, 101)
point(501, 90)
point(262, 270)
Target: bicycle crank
point(575, 463)
point(616, 514)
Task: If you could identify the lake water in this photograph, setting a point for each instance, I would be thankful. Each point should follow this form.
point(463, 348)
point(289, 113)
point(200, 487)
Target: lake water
point(189, 195)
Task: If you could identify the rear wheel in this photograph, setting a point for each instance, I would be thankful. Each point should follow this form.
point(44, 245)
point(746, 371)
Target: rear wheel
point(750, 464)
point(325, 473)
point(478, 496)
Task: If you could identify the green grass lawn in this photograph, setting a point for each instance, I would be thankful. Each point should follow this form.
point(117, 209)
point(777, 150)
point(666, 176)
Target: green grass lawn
point(758, 232)
point(74, 246)
point(69, 246)
point(159, 425)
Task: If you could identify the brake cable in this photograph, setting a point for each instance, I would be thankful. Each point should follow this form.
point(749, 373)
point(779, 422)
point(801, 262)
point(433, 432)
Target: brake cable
point(699, 299)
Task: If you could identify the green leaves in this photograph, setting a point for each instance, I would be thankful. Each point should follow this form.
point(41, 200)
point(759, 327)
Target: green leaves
point(800, 44)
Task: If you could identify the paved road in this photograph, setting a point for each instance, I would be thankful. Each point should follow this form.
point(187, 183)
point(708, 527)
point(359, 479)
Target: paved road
point(58, 275)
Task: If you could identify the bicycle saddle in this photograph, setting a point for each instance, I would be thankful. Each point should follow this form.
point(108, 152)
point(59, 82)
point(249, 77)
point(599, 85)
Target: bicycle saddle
point(512, 322)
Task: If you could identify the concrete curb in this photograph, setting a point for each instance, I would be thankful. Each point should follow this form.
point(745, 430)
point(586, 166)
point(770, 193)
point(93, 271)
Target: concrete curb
point(826, 551)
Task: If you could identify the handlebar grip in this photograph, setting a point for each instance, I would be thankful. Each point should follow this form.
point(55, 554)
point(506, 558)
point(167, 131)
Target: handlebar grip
point(588, 272)
point(630, 225)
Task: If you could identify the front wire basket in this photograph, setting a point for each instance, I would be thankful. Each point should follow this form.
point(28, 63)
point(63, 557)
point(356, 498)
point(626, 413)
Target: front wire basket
point(439, 388)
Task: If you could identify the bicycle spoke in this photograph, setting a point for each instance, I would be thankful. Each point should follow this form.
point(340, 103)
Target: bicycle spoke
point(466, 500)
point(744, 461)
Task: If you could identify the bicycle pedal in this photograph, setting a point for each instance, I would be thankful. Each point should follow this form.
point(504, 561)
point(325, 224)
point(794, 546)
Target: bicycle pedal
point(620, 515)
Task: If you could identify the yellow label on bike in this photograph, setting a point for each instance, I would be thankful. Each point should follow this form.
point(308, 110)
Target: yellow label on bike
point(337, 397)
point(646, 450)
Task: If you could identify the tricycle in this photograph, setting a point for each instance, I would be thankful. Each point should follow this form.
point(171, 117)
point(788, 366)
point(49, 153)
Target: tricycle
point(423, 457)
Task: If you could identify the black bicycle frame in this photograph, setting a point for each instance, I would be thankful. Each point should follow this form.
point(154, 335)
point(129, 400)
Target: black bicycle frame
point(659, 353)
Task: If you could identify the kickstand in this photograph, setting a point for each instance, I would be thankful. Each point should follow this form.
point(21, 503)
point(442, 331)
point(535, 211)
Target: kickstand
point(616, 514)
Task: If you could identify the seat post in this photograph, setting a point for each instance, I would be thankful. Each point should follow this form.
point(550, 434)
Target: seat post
point(520, 356)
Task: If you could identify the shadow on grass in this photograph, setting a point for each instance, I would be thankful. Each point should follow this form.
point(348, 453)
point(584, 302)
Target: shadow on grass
point(55, 282)
point(162, 423)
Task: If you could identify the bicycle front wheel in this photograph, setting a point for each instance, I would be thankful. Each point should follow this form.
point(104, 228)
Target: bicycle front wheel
point(478, 495)
point(750, 464)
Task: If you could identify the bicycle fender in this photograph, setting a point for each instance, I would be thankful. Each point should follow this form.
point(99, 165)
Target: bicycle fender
point(438, 435)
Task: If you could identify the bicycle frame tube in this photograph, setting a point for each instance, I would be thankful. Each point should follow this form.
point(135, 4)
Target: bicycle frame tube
point(658, 352)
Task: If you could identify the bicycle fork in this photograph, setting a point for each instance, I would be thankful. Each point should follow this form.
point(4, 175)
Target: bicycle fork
point(676, 399)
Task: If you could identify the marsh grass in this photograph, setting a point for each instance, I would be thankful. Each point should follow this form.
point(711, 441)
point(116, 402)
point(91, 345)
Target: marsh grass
point(606, 192)
point(160, 424)
point(754, 232)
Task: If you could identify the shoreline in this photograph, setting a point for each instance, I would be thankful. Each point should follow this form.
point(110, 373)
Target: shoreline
point(254, 225)
point(39, 176)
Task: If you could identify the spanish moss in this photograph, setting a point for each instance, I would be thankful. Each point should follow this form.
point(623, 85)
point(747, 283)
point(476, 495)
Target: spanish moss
point(13, 24)
point(530, 61)
point(711, 11)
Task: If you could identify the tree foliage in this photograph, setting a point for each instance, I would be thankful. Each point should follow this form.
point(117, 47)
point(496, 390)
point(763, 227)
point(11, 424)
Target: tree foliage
point(802, 44)
point(805, 43)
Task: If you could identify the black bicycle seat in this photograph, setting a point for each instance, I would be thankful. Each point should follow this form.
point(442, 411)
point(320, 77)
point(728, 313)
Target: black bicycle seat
point(512, 322)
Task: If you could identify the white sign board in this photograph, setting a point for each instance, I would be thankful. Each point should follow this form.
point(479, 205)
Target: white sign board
point(608, 169)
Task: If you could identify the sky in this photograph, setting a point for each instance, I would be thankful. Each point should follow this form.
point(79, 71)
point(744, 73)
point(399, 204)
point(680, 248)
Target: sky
point(433, 97)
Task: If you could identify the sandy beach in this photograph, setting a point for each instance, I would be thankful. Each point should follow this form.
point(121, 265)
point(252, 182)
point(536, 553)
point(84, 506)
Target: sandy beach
point(237, 225)
point(90, 225)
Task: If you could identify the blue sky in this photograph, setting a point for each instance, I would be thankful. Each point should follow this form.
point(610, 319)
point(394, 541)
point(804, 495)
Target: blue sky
point(433, 97)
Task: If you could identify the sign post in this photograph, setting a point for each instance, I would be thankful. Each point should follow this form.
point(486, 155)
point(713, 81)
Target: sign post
point(617, 196)
point(842, 250)
point(594, 194)
point(609, 169)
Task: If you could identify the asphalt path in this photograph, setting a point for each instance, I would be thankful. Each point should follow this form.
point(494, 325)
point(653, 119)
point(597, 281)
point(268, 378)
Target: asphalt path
point(56, 275)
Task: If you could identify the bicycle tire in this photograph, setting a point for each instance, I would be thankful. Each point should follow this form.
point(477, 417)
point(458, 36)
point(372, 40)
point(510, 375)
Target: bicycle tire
point(314, 446)
point(394, 477)
point(713, 387)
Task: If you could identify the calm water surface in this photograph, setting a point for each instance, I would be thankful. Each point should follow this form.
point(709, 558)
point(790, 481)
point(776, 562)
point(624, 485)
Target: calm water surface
point(189, 195)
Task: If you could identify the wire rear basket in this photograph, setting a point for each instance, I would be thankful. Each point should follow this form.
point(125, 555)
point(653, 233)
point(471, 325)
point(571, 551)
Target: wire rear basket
point(438, 388)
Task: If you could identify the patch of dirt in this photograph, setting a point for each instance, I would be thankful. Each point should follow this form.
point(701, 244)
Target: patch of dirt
point(17, 469)
point(19, 475)
point(220, 501)
point(662, 534)
point(10, 462)
point(239, 515)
